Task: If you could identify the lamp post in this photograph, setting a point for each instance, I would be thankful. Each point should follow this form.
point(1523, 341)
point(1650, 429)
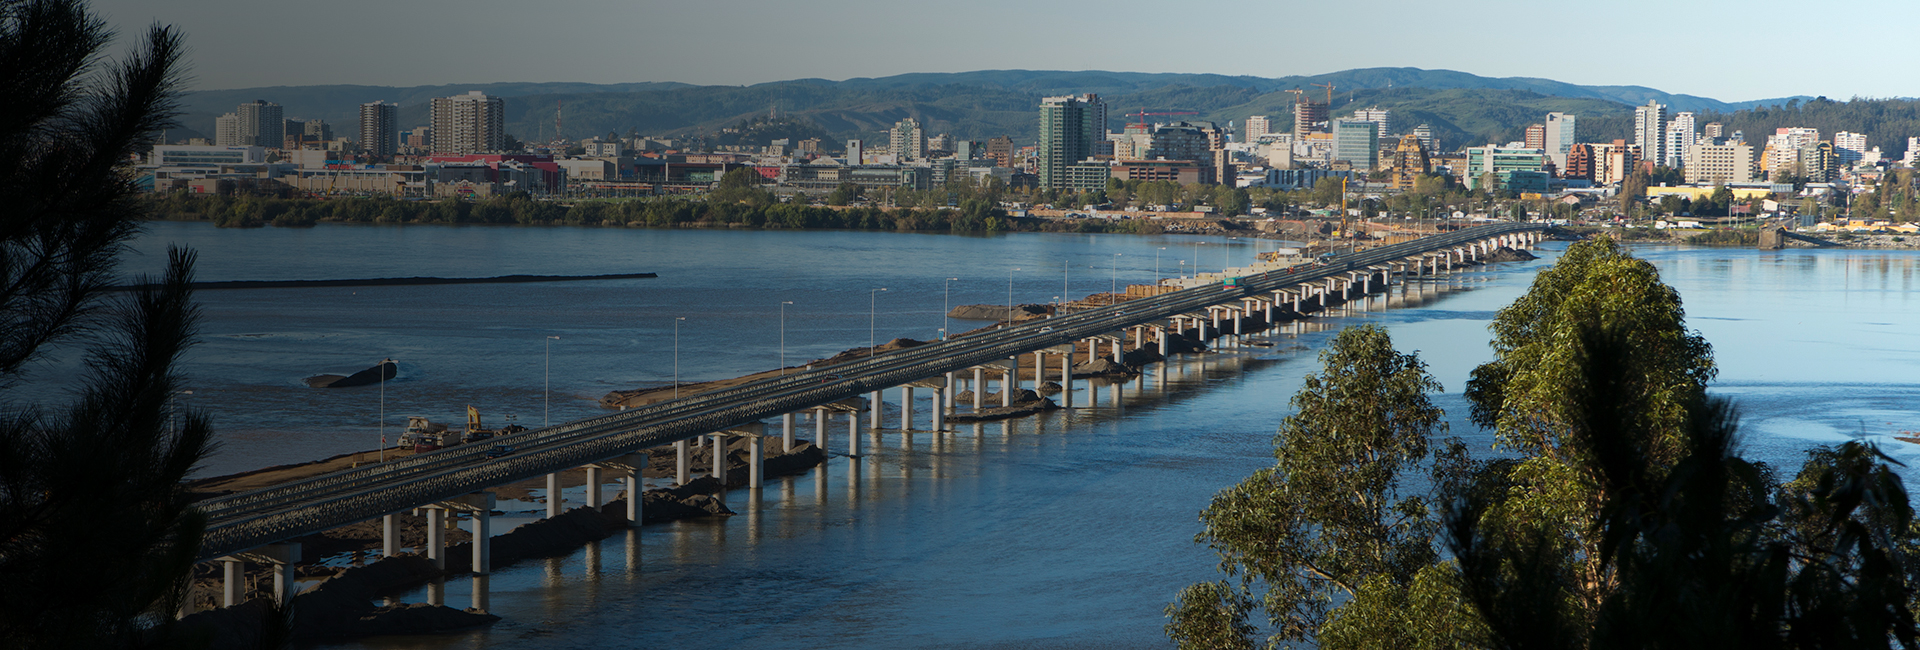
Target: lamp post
point(1156, 264)
point(1113, 280)
point(1010, 296)
point(783, 336)
point(946, 306)
point(1183, 269)
point(1228, 255)
point(546, 393)
point(873, 310)
point(676, 355)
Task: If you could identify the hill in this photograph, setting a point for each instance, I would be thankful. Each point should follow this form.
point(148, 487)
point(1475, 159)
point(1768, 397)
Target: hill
point(1464, 108)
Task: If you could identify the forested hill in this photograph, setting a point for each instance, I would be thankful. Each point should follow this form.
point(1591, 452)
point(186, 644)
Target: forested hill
point(1465, 109)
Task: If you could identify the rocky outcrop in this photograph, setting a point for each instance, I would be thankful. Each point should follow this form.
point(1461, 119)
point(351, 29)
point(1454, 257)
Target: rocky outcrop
point(1103, 368)
point(998, 312)
point(366, 377)
point(1505, 254)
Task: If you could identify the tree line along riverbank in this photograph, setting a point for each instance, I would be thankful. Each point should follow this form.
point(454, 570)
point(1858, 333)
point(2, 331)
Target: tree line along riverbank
point(972, 216)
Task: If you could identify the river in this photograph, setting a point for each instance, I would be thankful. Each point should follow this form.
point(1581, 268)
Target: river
point(1069, 530)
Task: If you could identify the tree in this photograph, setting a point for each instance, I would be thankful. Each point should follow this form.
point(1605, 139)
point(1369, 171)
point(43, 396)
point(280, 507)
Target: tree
point(1330, 515)
point(95, 528)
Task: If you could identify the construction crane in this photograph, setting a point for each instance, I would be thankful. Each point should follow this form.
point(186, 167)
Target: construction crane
point(1329, 88)
point(1299, 96)
point(1143, 116)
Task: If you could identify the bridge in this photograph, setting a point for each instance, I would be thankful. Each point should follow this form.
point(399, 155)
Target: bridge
point(254, 526)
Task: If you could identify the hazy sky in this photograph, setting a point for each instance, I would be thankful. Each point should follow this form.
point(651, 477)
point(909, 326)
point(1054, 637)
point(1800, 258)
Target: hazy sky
point(1750, 49)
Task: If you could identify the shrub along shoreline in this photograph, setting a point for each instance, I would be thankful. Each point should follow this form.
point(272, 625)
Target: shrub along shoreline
point(972, 216)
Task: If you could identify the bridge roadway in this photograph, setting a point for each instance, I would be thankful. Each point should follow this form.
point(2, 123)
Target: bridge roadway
point(244, 521)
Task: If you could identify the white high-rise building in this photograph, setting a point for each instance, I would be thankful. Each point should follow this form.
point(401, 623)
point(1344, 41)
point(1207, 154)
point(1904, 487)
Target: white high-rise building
point(1376, 115)
point(1560, 138)
point(470, 123)
point(907, 140)
point(1680, 135)
point(1650, 131)
point(856, 151)
point(226, 131)
point(1913, 152)
point(1425, 133)
point(1849, 147)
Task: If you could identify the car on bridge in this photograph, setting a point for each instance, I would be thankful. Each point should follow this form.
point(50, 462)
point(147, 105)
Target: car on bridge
point(499, 450)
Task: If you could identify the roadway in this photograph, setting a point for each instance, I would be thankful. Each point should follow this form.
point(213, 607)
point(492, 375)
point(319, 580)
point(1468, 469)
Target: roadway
point(247, 520)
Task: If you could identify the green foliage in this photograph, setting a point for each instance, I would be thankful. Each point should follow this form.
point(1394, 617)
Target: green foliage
point(1330, 514)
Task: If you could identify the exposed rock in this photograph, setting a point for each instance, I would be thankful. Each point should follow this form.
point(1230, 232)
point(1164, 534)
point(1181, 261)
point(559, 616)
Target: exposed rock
point(1050, 388)
point(998, 312)
point(1102, 367)
point(1019, 409)
point(366, 377)
point(1505, 254)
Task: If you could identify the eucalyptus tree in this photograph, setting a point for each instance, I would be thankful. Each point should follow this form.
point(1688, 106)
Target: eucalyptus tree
point(1334, 515)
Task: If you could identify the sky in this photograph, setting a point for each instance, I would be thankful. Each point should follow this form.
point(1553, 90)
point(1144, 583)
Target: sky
point(1726, 50)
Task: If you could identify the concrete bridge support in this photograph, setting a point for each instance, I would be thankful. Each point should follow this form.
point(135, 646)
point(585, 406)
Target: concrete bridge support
point(874, 401)
point(820, 429)
point(556, 501)
point(593, 482)
point(906, 408)
point(979, 390)
point(232, 585)
point(1161, 333)
point(853, 434)
point(390, 535)
point(755, 466)
point(719, 461)
point(1066, 380)
point(786, 433)
point(683, 460)
point(1012, 383)
point(940, 404)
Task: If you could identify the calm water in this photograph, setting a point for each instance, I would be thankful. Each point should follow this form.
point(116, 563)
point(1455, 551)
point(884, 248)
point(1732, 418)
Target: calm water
point(1070, 530)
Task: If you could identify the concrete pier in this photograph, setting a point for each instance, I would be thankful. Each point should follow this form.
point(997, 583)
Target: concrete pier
point(874, 402)
point(906, 408)
point(786, 433)
point(390, 535)
point(853, 434)
point(683, 460)
point(556, 502)
point(593, 486)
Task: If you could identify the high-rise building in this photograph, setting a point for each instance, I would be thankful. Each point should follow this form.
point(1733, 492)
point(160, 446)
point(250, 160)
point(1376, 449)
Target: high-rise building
point(470, 123)
point(907, 140)
point(1536, 136)
point(1409, 163)
point(379, 128)
point(856, 152)
point(1000, 150)
point(317, 130)
point(1497, 161)
point(1257, 125)
point(226, 131)
point(1559, 137)
point(1612, 163)
point(1650, 130)
point(1709, 164)
point(1376, 115)
point(1849, 148)
point(1680, 135)
point(1069, 128)
point(1714, 130)
point(1180, 141)
point(1308, 115)
point(261, 124)
point(1357, 142)
point(1425, 133)
point(1580, 161)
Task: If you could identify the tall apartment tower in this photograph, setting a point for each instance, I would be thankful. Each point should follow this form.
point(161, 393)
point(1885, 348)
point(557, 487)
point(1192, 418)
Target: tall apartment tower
point(1560, 138)
point(261, 124)
point(1650, 130)
point(1257, 125)
point(1357, 142)
point(856, 151)
point(379, 128)
point(1425, 133)
point(1070, 127)
point(1714, 130)
point(1376, 115)
point(1536, 136)
point(1307, 116)
point(226, 131)
point(1849, 148)
point(907, 140)
point(1680, 135)
point(470, 123)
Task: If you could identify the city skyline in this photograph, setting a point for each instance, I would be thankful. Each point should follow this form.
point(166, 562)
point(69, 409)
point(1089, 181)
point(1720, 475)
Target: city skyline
point(612, 42)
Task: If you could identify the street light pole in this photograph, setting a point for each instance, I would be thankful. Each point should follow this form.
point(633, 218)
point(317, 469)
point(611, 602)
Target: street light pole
point(783, 336)
point(1010, 296)
point(676, 355)
point(873, 310)
point(1156, 264)
point(546, 394)
point(1113, 280)
point(946, 306)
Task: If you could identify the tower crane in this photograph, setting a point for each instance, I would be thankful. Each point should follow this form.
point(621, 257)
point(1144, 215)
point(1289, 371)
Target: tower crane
point(1299, 96)
point(1329, 88)
point(1143, 115)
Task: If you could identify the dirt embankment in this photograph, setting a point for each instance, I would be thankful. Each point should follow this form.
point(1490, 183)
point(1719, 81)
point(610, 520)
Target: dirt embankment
point(999, 312)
